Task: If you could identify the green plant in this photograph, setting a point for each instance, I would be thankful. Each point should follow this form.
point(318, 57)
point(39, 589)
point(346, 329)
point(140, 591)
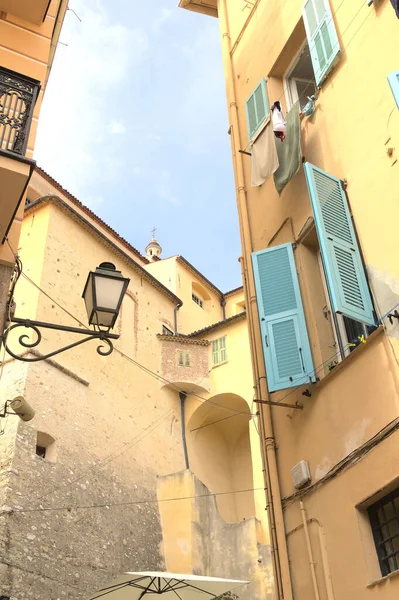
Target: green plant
point(227, 596)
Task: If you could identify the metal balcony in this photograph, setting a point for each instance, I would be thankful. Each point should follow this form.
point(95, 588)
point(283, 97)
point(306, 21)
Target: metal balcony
point(18, 95)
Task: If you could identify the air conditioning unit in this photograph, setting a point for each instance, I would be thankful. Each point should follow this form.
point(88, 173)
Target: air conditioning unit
point(301, 474)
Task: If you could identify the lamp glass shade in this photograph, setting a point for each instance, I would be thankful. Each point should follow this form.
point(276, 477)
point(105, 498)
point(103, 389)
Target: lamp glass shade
point(103, 295)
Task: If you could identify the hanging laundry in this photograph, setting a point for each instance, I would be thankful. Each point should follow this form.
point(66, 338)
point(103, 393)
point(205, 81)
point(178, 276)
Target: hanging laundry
point(264, 155)
point(308, 109)
point(289, 153)
point(395, 4)
point(279, 123)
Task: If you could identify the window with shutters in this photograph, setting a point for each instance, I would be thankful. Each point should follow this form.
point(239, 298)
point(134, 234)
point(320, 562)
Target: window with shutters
point(219, 351)
point(299, 81)
point(322, 37)
point(393, 79)
point(384, 521)
point(257, 109)
point(183, 359)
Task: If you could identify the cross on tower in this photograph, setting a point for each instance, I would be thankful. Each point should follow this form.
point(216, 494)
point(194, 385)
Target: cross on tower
point(153, 230)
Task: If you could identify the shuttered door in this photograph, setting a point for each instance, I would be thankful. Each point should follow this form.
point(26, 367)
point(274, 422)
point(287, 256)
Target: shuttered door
point(322, 36)
point(347, 283)
point(286, 349)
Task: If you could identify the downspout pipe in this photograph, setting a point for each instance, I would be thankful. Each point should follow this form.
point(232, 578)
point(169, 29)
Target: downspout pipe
point(310, 552)
point(223, 305)
point(175, 317)
point(183, 396)
point(280, 555)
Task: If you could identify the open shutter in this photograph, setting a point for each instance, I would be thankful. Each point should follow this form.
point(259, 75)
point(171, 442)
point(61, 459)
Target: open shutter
point(223, 353)
point(257, 108)
point(215, 352)
point(347, 283)
point(322, 36)
point(393, 79)
point(286, 349)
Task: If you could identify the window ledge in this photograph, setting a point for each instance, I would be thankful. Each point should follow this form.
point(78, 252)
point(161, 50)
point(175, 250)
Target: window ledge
point(220, 364)
point(361, 348)
point(383, 579)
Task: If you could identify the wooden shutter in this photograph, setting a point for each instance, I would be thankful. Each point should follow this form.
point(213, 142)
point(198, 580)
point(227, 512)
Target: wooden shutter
point(257, 108)
point(393, 79)
point(215, 352)
point(286, 348)
point(223, 353)
point(322, 36)
point(347, 283)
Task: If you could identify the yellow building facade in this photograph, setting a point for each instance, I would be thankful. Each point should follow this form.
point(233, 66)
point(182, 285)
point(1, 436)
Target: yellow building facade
point(29, 33)
point(144, 459)
point(321, 279)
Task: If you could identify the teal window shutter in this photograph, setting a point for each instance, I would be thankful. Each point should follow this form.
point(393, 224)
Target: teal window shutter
point(343, 265)
point(286, 349)
point(322, 36)
point(393, 79)
point(257, 108)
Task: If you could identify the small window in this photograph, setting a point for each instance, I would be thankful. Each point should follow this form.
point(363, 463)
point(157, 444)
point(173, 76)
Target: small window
point(45, 446)
point(257, 108)
point(300, 81)
point(184, 359)
point(166, 330)
point(219, 353)
point(197, 300)
point(384, 521)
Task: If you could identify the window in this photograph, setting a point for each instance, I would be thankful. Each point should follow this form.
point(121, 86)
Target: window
point(322, 37)
point(393, 79)
point(166, 330)
point(286, 347)
point(183, 359)
point(197, 300)
point(45, 446)
point(219, 353)
point(384, 521)
point(257, 108)
point(300, 80)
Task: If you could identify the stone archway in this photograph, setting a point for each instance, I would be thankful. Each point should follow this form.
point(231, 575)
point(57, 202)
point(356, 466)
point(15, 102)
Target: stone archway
point(220, 453)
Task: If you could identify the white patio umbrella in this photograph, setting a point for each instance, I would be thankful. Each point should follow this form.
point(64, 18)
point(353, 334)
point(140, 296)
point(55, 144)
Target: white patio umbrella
point(173, 586)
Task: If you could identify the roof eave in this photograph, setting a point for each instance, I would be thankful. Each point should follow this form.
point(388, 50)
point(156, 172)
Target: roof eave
point(205, 7)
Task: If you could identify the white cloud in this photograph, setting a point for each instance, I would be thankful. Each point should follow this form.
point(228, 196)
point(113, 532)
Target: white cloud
point(164, 14)
point(74, 142)
point(116, 127)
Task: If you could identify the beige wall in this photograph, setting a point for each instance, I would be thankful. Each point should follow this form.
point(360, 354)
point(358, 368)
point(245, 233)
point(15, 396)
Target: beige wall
point(358, 398)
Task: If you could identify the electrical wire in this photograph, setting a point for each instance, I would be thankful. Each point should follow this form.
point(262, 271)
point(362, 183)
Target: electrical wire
point(108, 505)
point(3, 561)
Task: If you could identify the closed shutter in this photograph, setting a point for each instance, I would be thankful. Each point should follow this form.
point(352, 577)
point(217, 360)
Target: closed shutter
point(347, 283)
point(286, 349)
point(393, 79)
point(223, 353)
point(257, 108)
point(215, 352)
point(322, 36)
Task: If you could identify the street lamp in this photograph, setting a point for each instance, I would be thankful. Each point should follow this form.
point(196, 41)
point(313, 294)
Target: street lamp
point(103, 294)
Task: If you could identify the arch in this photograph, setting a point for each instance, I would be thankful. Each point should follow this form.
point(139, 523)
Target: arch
point(220, 453)
point(200, 291)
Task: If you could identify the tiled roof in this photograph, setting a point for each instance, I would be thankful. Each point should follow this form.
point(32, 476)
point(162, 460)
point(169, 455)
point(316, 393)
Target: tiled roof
point(237, 289)
point(218, 324)
point(89, 212)
point(182, 339)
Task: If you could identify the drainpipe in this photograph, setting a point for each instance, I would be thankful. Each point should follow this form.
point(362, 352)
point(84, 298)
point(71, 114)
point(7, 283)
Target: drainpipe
point(310, 553)
point(175, 316)
point(183, 396)
point(223, 305)
point(280, 554)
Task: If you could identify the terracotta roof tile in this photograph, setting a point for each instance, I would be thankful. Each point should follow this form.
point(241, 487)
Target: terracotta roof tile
point(218, 324)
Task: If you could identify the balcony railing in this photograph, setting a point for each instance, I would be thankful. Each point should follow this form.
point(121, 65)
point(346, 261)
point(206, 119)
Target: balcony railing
point(18, 95)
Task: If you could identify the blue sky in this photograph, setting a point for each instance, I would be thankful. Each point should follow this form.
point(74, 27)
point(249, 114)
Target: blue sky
point(134, 123)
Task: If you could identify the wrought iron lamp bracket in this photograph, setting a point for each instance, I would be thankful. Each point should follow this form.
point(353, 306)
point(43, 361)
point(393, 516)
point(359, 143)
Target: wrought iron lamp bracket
point(24, 340)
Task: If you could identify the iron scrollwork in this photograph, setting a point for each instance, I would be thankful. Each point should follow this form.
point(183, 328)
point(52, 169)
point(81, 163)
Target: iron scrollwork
point(18, 95)
point(25, 341)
